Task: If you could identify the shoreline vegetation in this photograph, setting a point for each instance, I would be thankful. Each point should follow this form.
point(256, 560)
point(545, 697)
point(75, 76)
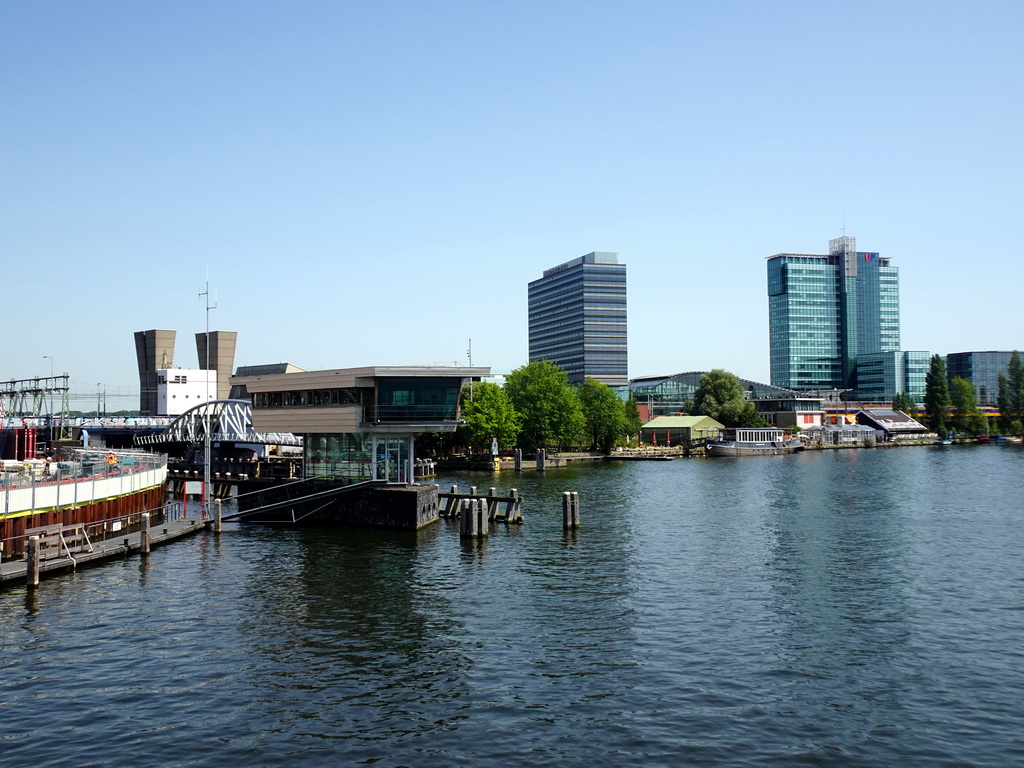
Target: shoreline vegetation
point(486, 462)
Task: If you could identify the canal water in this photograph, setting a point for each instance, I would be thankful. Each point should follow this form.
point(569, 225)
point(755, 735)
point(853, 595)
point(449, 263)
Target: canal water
point(855, 608)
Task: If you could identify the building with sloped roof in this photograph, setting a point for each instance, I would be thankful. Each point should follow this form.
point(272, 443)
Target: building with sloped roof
point(678, 430)
point(891, 424)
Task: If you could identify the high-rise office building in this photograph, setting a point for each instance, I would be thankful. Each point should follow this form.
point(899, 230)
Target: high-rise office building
point(982, 368)
point(825, 310)
point(578, 318)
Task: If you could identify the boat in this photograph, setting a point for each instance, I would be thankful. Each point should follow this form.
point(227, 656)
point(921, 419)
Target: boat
point(753, 442)
point(947, 441)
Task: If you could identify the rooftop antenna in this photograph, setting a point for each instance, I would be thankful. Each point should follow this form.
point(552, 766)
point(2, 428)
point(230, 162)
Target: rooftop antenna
point(206, 410)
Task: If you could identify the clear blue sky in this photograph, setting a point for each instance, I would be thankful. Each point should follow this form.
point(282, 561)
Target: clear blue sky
point(376, 182)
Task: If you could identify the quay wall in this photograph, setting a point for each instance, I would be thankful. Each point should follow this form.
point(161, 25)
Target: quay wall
point(125, 508)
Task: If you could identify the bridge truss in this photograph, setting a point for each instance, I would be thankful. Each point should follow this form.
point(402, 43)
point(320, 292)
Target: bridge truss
point(229, 421)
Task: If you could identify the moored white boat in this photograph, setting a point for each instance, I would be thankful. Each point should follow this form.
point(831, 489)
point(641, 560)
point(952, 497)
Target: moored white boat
point(753, 442)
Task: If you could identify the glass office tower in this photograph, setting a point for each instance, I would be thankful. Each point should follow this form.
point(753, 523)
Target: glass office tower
point(982, 368)
point(578, 318)
point(825, 310)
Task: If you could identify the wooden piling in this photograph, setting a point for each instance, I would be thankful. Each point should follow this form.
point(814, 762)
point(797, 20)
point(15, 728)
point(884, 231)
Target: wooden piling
point(492, 504)
point(451, 506)
point(483, 528)
point(144, 533)
point(513, 510)
point(32, 562)
point(541, 459)
point(217, 524)
point(570, 510)
point(518, 459)
point(469, 520)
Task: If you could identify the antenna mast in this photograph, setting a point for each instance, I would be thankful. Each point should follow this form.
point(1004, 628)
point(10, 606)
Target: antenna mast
point(206, 409)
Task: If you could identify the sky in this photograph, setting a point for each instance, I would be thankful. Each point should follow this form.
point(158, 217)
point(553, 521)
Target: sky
point(376, 182)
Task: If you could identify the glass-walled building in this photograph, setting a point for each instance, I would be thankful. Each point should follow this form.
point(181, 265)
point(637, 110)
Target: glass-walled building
point(881, 375)
point(673, 395)
point(824, 311)
point(982, 368)
point(360, 423)
point(577, 319)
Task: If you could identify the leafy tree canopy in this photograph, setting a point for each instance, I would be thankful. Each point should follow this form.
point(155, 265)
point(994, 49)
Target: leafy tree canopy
point(488, 414)
point(966, 414)
point(632, 416)
point(604, 415)
point(550, 408)
point(720, 396)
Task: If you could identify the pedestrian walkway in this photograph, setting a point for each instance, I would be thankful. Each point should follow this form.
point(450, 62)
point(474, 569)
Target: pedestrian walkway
point(14, 571)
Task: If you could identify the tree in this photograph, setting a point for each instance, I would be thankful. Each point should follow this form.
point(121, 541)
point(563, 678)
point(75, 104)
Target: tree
point(1010, 397)
point(1015, 379)
point(720, 396)
point(550, 408)
point(903, 402)
point(603, 414)
point(489, 414)
point(936, 396)
point(966, 414)
point(631, 412)
point(1003, 403)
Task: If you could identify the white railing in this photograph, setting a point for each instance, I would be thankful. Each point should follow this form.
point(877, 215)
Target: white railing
point(84, 478)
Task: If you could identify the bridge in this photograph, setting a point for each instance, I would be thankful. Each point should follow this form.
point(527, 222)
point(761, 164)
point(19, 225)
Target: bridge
point(228, 421)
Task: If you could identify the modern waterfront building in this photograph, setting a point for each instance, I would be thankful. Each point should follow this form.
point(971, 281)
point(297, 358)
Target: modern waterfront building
point(359, 423)
point(578, 318)
point(826, 310)
point(672, 395)
point(982, 368)
point(881, 375)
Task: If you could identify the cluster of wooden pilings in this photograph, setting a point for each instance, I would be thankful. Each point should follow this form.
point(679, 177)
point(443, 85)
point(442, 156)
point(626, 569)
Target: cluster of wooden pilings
point(476, 511)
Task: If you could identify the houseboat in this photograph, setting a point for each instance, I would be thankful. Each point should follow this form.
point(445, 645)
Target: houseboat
point(752, 442)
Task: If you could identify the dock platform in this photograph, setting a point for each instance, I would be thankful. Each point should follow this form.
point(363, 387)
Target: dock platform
point(14, 571)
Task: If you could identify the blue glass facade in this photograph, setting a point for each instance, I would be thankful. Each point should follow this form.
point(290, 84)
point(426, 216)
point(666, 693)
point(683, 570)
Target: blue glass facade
point(881, 375)
point(578, 318)
point(982, 368)
point(825, 310)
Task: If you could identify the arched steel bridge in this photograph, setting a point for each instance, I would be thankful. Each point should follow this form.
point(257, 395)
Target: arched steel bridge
point(230, 422)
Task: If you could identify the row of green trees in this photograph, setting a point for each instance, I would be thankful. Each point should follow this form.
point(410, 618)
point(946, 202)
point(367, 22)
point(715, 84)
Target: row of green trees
point(539, 408)
point(951, 404)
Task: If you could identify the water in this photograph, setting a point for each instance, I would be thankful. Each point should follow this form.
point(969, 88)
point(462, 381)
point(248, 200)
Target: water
point(859, 608)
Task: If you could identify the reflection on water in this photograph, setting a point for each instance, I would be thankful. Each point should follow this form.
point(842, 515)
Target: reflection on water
point(852, 608)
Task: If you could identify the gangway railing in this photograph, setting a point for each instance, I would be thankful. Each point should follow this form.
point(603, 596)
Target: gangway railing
point(306, 494)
